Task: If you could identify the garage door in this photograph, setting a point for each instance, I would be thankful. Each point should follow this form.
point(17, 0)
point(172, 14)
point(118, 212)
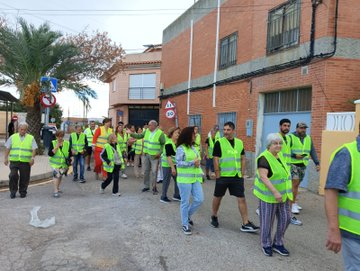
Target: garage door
point(292, 104)
point(140, 116)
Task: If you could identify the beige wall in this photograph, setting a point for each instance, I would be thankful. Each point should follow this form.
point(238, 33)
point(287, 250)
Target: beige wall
point(332, 140)
point(120, 95)
point(137, 64)
point(3, 125)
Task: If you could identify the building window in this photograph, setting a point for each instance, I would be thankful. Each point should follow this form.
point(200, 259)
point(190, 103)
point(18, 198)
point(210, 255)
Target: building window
point(225, 117)
point(228, 50)
point(296, 100)
point(195, 120)
point(283, 26)
point(142, 86)
point(113, 85)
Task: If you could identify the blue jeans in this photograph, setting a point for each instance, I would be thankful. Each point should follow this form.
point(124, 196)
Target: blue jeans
point(79, 159)
point(166, 183)
point(210, 164)
point(351, 253)
point(186, 190)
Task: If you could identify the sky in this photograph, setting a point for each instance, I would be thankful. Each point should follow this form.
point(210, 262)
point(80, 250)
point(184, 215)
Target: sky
point(131, 23)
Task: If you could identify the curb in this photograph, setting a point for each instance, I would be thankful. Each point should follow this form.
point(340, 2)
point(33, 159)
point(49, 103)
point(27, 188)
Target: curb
point(35, 178)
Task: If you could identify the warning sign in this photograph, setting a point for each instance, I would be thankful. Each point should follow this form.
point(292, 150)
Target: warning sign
point(169, 105)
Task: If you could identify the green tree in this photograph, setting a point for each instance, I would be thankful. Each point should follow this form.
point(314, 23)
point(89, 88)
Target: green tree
point(28, 53)
point(56, 113)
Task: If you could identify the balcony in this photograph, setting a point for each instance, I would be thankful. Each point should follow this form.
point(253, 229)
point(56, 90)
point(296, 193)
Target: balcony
point(340, 121)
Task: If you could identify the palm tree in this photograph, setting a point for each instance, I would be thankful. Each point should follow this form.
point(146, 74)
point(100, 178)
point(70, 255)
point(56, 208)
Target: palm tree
point(30, 53)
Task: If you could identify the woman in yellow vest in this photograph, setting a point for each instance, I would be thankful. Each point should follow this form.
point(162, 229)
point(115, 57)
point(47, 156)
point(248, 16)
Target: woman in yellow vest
point(274, 189)
point(169, 165)
point(189, 177)
point(113, 161)
point(59, 153)
point(99, 140)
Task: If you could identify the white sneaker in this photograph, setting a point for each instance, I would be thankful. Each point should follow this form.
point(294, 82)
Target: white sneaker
point(102, 190)
point(257, 211)
point(128, 164)
point(298, 206)
point(295, 221)
point(294, 209)
point(124, 176)
point(116, 194)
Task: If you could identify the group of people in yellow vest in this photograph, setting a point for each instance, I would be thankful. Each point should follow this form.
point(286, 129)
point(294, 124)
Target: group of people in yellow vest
point(280, 169)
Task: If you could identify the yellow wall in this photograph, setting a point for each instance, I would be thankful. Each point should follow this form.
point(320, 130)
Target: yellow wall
point(330, 141)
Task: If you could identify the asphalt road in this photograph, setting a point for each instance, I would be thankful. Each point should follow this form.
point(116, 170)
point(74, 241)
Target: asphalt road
point(136, 232)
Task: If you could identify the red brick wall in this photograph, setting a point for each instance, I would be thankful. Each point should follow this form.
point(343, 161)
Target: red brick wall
point(335, 82)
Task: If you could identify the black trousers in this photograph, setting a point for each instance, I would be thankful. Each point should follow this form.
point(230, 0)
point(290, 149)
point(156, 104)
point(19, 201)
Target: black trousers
point(15, 183)
point(110, 176)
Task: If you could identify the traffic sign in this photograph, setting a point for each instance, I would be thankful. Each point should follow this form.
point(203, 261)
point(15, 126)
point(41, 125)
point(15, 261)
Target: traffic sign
point(170, 114)
point(52, 81)
point(169, 105)
point(52, 119)
point(47, 100)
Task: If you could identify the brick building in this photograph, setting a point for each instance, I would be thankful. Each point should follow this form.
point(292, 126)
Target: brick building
point(257, 61)
point(135, 87)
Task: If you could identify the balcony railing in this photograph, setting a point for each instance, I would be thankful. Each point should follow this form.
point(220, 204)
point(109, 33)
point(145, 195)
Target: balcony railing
point(340, 121)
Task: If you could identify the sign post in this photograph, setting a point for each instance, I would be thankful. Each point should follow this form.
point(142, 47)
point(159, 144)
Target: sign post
point(47, 99)
point(170, 111)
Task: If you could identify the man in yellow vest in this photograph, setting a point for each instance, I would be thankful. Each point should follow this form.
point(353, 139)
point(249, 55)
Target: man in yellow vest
point(20, 149)
point(78, 144)
point(302, 148)
point(89, 132)
point(154, 141)
point(342, 203)
point(229, 164)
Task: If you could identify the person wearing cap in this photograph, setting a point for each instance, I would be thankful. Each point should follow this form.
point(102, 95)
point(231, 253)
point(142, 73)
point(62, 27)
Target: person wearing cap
point(342, 203)
point(99, 140)
point(20, 149)
point(301, 149)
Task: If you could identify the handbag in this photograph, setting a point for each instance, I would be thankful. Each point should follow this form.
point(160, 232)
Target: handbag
point(67, 159)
